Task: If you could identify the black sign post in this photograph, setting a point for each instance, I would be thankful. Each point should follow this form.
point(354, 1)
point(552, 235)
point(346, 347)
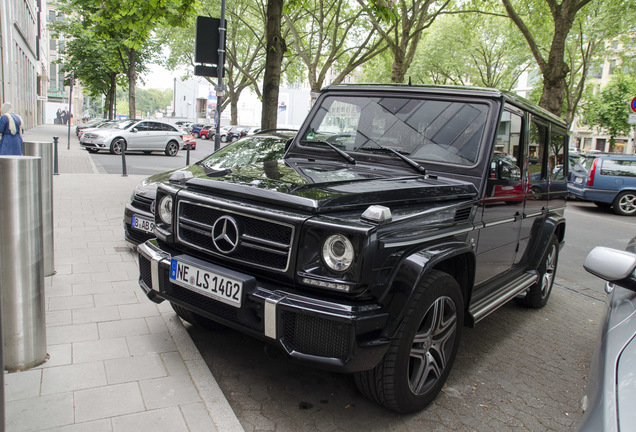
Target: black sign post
point(210, 34)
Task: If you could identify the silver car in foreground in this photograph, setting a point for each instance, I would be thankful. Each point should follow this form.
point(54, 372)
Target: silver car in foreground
point(610, 404)
point(138, 135)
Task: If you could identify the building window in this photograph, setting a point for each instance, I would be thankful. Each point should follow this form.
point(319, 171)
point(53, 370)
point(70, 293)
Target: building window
point(600, 144)
point(53, 44)
point(613, 65)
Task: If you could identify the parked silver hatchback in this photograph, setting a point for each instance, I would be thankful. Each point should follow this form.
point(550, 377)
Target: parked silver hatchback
point(135, 135)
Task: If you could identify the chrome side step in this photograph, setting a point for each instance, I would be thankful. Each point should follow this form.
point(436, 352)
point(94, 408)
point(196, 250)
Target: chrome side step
point(490, 303)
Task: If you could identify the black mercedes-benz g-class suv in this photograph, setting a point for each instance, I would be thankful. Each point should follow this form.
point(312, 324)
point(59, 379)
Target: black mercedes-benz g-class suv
point(398, 215)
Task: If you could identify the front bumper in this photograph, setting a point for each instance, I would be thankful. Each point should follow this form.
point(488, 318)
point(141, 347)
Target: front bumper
point(336, 336)
point(133, 235)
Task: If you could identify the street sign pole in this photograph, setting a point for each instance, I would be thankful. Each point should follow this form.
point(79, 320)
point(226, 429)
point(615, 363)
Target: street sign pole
point(220, 88)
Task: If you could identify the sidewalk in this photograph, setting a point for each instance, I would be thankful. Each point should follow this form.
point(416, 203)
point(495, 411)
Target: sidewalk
point(118, 362)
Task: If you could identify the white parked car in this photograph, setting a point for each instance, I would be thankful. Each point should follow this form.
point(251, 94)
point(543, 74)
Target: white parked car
point(135, 135)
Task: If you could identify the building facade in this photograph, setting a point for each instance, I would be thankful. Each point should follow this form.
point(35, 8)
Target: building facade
point(23, 71)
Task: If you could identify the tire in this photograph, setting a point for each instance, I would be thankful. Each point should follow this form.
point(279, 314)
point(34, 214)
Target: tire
point(117, 145)
point(233, 139)
point(223, 138)
point(203, 137)
point(538, 294)
point(420, 357)
point(194, 318)
point(602, 204)
point(625, 204)
point(196, 135)
point(172, 148)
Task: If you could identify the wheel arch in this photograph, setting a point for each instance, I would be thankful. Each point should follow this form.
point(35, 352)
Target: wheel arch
point(553, 225)
point(455, 258)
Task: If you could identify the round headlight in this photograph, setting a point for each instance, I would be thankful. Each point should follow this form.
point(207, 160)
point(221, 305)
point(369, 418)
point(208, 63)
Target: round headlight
point(337, 252)
point(165, 209)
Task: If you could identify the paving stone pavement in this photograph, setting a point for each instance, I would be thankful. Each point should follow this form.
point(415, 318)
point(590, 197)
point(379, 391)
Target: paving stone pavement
point(118, 362)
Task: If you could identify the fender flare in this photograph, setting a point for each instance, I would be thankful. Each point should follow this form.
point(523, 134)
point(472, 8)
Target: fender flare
point(554, 225)
point(454, 257)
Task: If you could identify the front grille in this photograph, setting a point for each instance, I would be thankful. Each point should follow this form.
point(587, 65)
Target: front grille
point(315, 336)
point(262, 242)
point(142, 203)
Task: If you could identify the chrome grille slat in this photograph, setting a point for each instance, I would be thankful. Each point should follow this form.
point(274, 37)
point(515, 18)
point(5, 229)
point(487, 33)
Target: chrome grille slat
point(264, 243)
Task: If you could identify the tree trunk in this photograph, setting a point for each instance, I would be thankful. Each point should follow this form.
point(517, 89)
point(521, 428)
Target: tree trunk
point(132, 79)
point(275, 50)
point(234, 109)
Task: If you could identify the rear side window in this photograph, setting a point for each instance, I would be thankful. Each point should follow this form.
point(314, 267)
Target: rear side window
point(621, 168)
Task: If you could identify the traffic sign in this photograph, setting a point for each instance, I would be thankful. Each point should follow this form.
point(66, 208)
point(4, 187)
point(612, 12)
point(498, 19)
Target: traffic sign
point(633, 105)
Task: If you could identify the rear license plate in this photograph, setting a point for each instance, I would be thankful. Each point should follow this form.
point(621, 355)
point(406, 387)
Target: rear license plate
point(578, 180)
point(207, 283)
point(143, 224)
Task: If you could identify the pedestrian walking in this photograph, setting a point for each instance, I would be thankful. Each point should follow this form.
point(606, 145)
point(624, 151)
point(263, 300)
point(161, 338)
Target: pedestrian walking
point(10, 131)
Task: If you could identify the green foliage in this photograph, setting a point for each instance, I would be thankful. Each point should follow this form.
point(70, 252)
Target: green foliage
point(608, 109)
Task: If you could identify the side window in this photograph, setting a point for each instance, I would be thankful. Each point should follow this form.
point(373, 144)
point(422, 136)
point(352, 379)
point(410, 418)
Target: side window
point(556, 167)
point(621, 168)
point(142, 127)
point(537, 144)
point(508, 146)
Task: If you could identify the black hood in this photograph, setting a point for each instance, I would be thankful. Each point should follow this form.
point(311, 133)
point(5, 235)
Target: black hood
point(318, 187)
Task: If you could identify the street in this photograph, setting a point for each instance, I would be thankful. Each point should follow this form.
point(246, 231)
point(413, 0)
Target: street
point(519, 369)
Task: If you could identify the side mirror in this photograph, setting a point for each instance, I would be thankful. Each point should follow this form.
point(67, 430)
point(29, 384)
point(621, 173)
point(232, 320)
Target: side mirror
point(612, 265)
point(134, 130)
point(507, 171)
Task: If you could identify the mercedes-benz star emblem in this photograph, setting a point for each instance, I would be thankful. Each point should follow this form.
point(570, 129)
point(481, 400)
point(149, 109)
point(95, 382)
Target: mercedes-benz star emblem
point(225, 234)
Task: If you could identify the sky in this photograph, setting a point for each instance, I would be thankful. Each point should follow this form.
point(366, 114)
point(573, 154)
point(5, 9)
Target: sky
point(160, 78)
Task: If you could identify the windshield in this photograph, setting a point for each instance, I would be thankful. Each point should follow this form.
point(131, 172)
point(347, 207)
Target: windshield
point(123, 124)
point(425, 129)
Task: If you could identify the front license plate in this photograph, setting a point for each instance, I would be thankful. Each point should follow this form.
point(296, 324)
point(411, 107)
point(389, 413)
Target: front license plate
point(143, 224)
point(210, 284)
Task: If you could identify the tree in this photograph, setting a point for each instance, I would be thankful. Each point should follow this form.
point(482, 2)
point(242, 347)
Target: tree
point(545, 25)
point(609, 109)
point(472, 49)
point(407, 19)
point(327, 35)
point(275, 47)
point(130, 26)
point(90, 58)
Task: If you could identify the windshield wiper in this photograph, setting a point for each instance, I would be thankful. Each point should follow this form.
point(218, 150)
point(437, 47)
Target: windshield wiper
point(345, 155)
point(419, 168)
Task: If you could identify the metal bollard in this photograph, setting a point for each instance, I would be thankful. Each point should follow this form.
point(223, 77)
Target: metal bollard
point(55, 170)
point(44, 150)
point(21, 266)
point(188, 153)
point(124, 172)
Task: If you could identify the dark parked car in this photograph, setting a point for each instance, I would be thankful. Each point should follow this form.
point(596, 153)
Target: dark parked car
point(375, 239)
point(139, 216)
point(234, 133)
point(608, 180)
point(611, 398)
point(196, 129)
